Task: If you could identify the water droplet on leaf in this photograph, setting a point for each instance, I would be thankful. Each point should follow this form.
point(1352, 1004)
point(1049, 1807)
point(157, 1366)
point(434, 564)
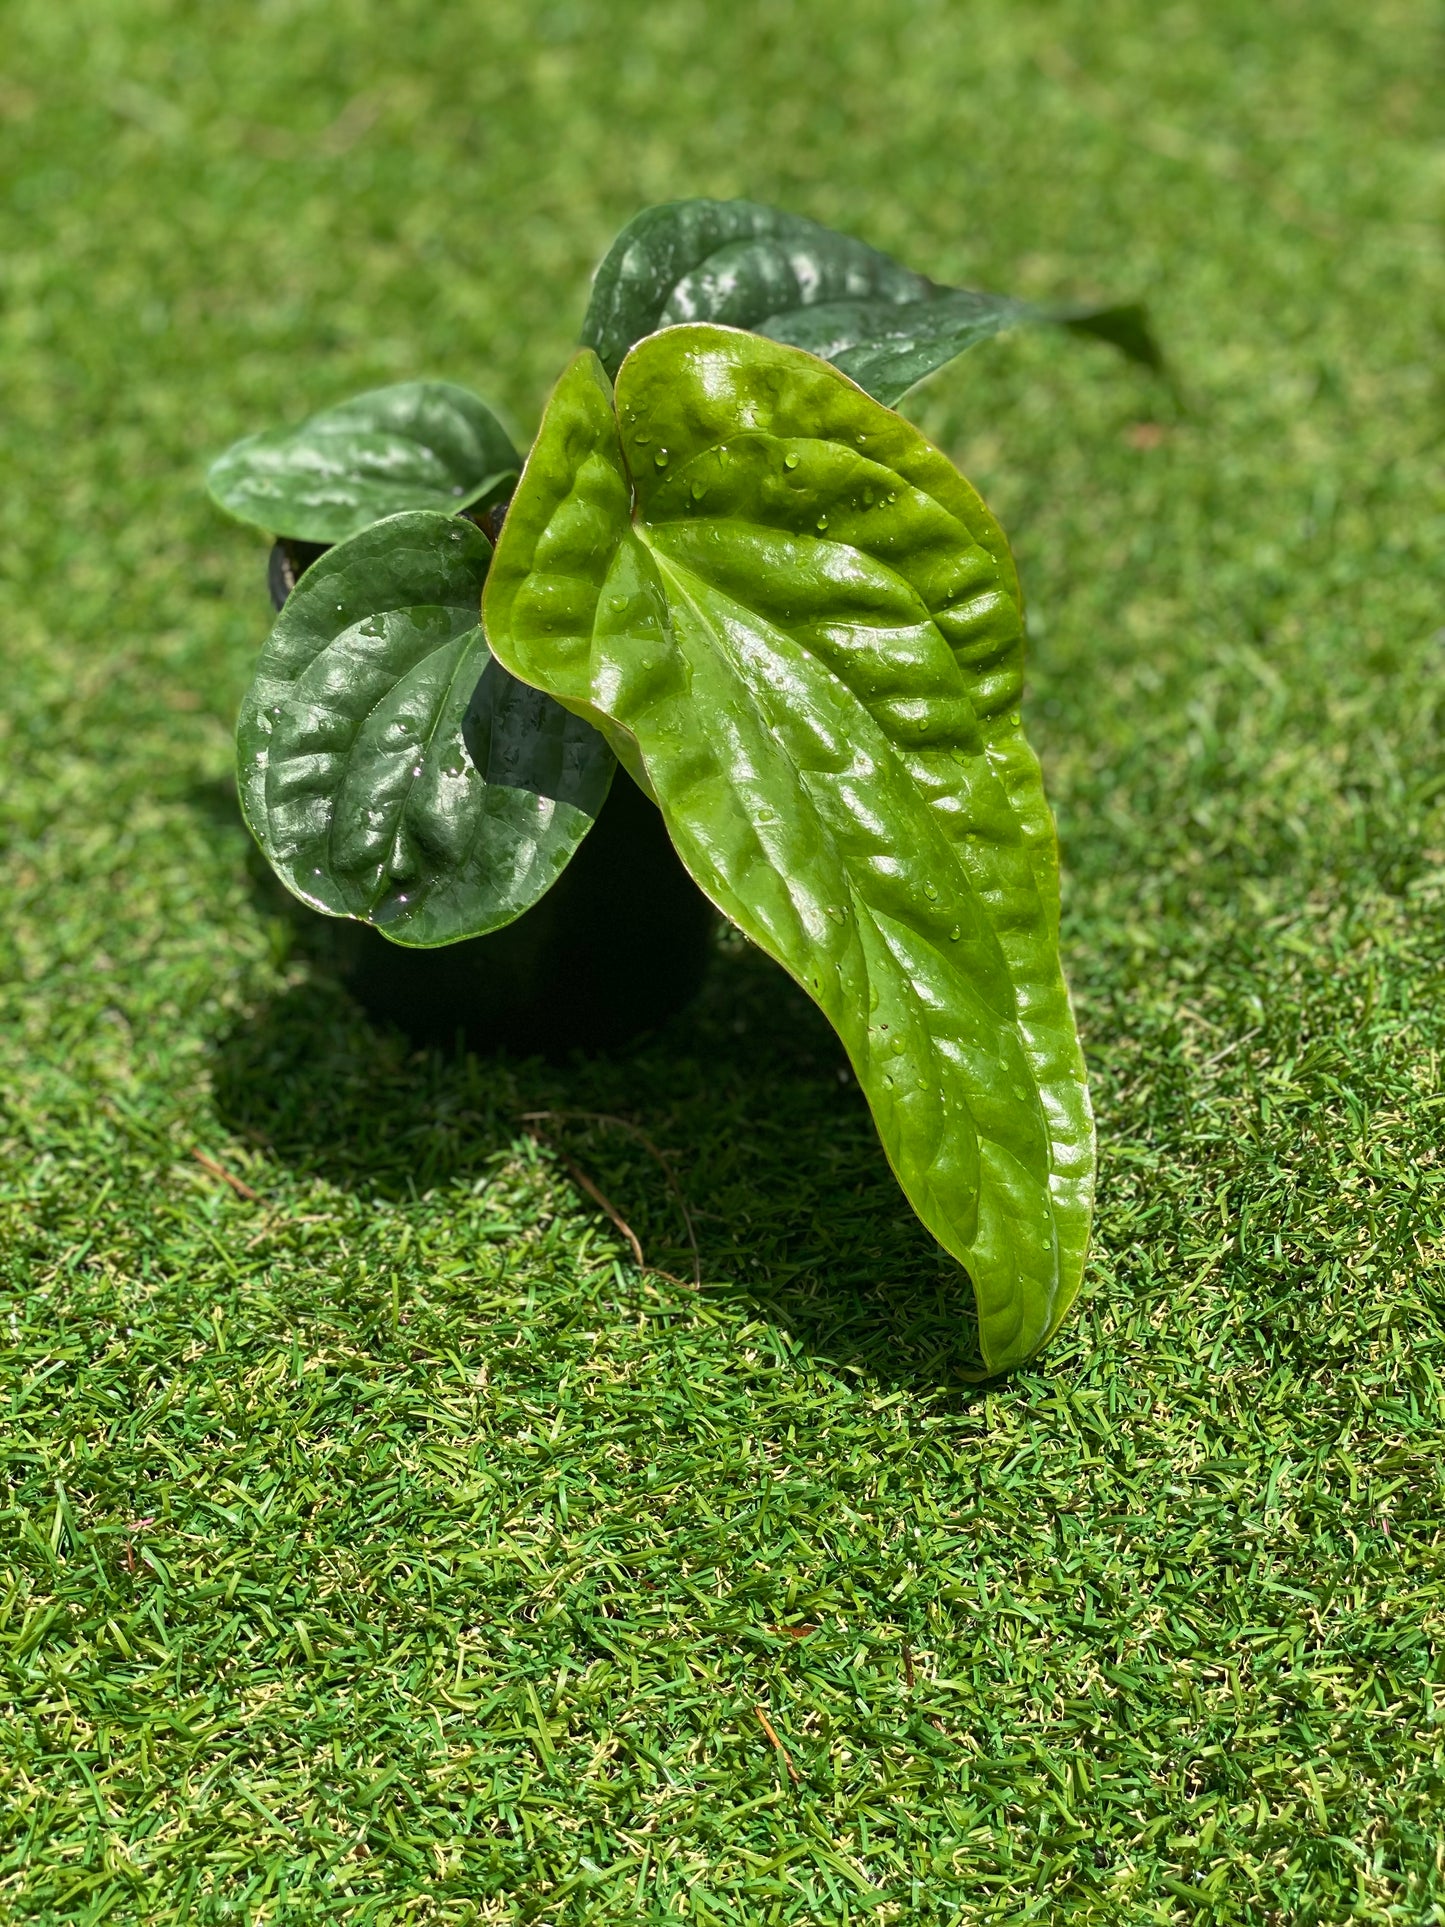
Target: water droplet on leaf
point(822, 523)
point(661, 458)
point(790, 460)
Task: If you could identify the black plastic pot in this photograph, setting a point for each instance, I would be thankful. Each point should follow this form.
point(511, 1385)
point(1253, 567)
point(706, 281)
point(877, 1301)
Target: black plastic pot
point(619, 943)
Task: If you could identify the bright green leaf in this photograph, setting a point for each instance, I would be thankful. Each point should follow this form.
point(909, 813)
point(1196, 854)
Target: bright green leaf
point(801, 626)
point(417, 445)
point(786, 277)
point(388, 767)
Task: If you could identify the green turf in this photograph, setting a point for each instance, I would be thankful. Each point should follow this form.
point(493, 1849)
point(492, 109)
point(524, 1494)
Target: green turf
point(388, 1547)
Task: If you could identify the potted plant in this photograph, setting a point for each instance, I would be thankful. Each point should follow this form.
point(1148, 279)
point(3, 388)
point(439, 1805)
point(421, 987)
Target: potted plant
point(731, 567)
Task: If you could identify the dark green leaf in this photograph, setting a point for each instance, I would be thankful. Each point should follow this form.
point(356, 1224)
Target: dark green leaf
point(730, 261)
point(786, 277)
point(388, 767)
point(417, 445)
point(887, 346)
point(801, 627)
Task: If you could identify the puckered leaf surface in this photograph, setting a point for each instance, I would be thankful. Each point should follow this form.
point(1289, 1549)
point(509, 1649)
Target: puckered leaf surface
point(416, 445)
point(800, 627)
point(787, 277)
point(388, 767)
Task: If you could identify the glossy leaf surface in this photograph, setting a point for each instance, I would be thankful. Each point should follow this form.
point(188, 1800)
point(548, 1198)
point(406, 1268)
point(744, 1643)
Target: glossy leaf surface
point(801, 627)
point(416, 445)
point(388, 767)
point(786, 277)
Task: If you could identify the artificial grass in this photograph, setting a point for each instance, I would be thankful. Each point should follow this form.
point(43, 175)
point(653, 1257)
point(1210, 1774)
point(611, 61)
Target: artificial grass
point(385, 1545)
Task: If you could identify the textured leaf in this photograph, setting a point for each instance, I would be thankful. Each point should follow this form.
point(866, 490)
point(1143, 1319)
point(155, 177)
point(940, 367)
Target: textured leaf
point(887, 346)
point(417, 445)
point(786, 277)
point(388, 767)
point(800, 625)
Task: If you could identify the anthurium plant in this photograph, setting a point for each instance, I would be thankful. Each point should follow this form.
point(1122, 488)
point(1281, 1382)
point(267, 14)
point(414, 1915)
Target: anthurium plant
point(730, 566)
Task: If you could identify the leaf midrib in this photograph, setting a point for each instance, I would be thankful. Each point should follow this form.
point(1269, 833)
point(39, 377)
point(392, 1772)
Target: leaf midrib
point(415, 777)
point(367, 715)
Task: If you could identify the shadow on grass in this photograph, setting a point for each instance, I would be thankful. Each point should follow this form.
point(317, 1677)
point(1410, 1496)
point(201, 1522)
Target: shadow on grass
point(747, 1094)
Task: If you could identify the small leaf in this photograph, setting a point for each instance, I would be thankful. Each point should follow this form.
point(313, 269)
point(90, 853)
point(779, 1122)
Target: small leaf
point(417, 445)
point(392, 771)
point(800, 625)
point(786, 277)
